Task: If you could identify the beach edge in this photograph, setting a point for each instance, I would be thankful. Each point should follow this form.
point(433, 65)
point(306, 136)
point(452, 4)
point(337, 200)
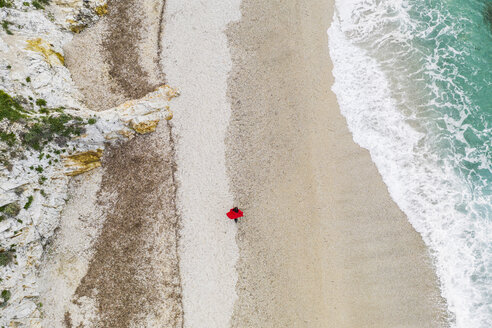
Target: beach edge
point(322, 244)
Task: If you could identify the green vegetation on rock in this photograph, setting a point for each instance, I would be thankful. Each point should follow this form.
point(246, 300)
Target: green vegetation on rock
point(53, 128)
point(5, 26)
point(29, 202)
point(10, 109)
point(5, 258)
point(5, 296)
point(8, 138)
point(11, 209)
point(5, 162)
point(38, 4)
point(34, 129)
point(6, 3)
point(41, 102)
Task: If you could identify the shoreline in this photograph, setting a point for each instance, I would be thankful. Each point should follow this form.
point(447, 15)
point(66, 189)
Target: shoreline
point(323, 244)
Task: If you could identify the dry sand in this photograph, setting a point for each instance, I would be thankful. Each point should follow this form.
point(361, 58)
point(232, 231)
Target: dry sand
point(68, 256)
point(134, 276)
point(322, 243)
point(117, 59)
point(197, 60)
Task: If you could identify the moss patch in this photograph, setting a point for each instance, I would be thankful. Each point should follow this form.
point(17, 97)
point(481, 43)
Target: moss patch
point(39, 4)
point(5, 26)
point(8, 138)
point(41, 102)
point(11, 209)
point(10, 108)
point(58, 128)
point(5, 297)
point(6, 3)
point(5, 258)
point(29, 202)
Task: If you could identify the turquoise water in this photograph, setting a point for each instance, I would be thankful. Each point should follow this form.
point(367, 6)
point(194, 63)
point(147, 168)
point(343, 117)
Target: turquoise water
point(454, 39)
point(413, 78)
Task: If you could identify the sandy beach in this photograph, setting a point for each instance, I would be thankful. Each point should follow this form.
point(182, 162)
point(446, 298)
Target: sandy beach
point(256, 126)
point(323, 244)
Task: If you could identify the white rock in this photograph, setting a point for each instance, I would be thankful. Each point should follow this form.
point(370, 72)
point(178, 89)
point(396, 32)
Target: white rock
point(4, 225)
point(54, 84)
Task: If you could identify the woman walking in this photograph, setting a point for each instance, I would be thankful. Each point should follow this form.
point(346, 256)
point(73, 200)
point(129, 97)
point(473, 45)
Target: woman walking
point(234, 214)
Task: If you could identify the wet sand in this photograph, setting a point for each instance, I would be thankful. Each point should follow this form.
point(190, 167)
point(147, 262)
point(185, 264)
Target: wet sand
point(322, 243)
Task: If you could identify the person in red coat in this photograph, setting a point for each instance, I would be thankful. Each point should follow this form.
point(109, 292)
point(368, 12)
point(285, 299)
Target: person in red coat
point(234, 214)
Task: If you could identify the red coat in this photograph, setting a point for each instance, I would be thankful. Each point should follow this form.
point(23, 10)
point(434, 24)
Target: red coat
point(234, 215)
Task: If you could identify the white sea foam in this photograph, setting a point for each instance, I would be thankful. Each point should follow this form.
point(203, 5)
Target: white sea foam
point(425, 186)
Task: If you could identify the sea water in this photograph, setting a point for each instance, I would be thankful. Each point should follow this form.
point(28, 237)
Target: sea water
point(414, 80)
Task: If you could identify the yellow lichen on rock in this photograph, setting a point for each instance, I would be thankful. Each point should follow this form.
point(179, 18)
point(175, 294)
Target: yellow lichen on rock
point(126, 133)
point(169, 92)
point(52, 57)
point(78, 28)
point(145, 127)
point(169, 114)
point(102, 10)
point(75, 27)
point(141, 115)
point(128, 104)
point(113, 135)
point(82, 162)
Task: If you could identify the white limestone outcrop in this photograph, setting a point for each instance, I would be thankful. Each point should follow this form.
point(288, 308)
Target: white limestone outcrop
point(35, 186)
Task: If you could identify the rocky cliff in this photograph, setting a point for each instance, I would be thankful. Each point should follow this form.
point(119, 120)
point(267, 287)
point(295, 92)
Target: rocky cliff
point(79, 90)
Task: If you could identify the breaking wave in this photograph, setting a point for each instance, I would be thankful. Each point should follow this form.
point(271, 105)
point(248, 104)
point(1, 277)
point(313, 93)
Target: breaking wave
point(413, 80)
